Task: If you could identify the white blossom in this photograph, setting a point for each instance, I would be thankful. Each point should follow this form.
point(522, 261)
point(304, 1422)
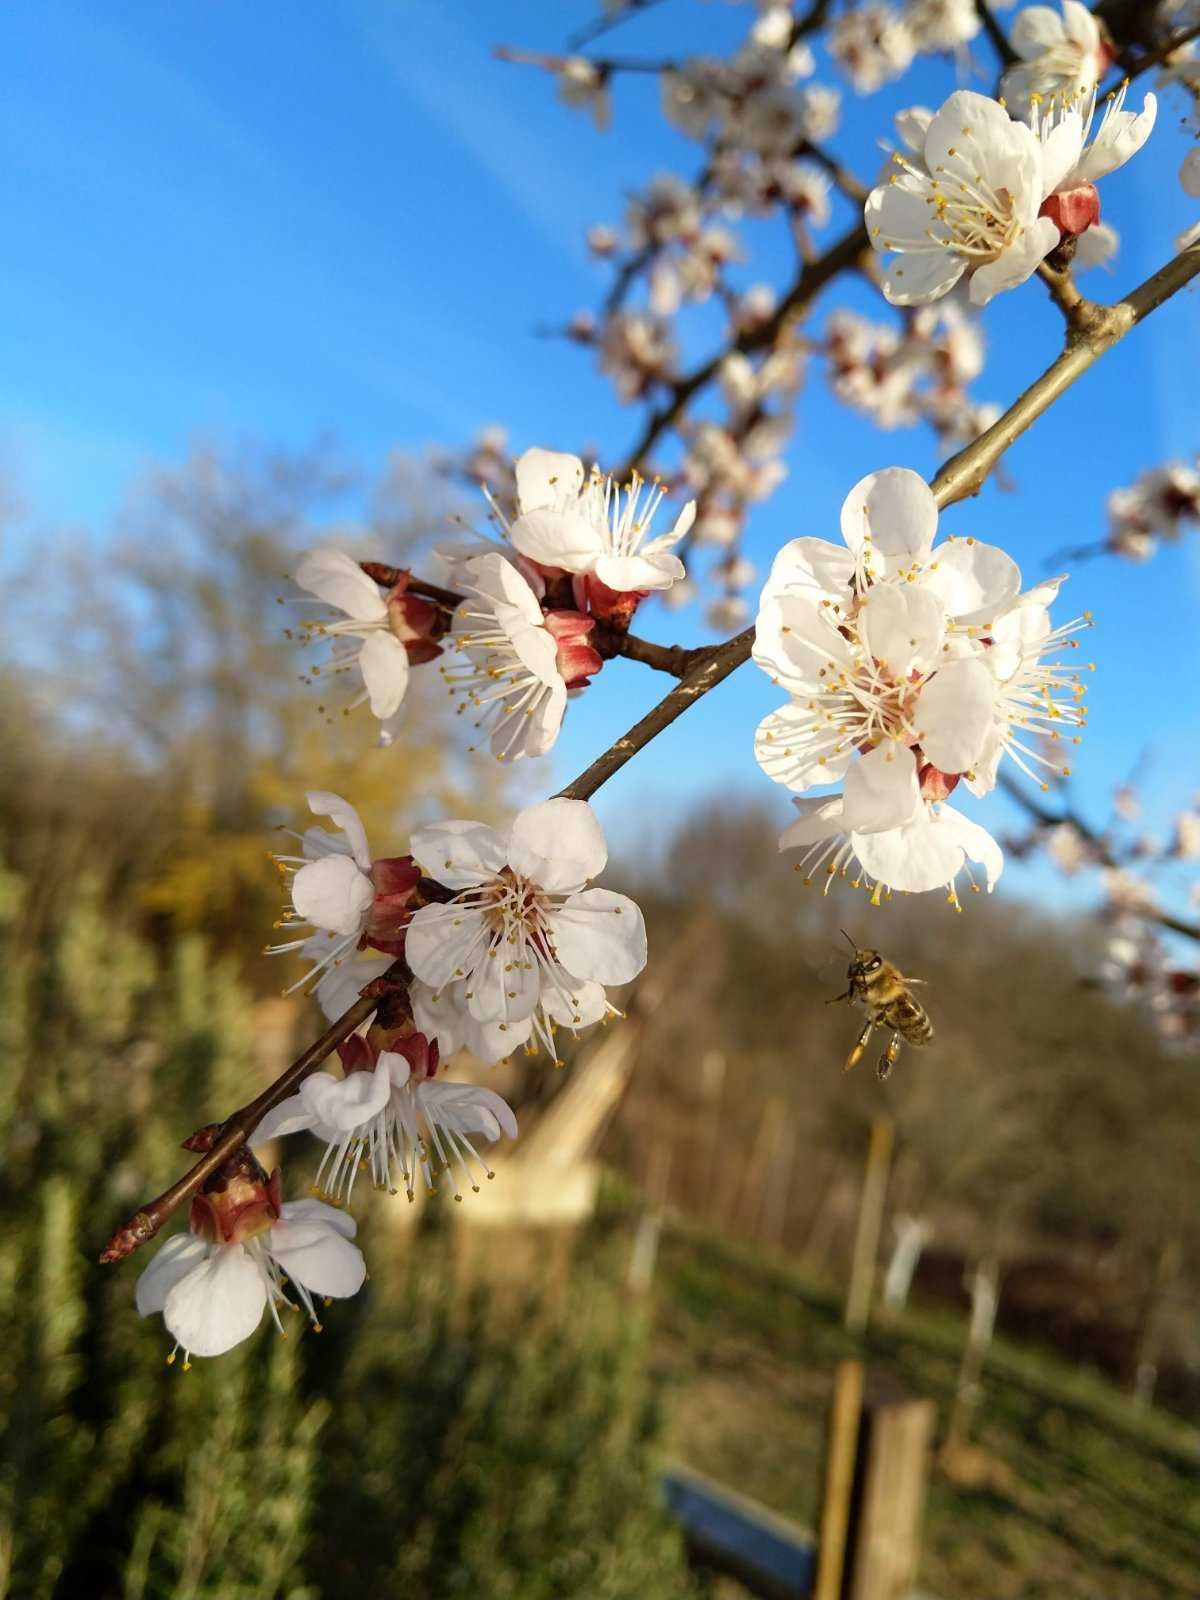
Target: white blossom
point(587, 524)
point(364, 638)
point(329, 884)
point(1062, 56)
point(403, 1127)
point(872, 44)
point(909, 667)
point(508, 668)
point(969, 203)
point(527, 941)
point(212, 1293)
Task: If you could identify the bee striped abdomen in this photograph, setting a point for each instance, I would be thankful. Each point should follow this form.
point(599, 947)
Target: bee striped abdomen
point(907, 1017)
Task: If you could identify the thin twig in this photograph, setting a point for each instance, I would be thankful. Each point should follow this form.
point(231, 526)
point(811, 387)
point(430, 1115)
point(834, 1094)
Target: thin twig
point(846, 252)
point(1050, 817)
point(235, 1131)
point(996, 34)
point(602, 24)
point(1066, 296)
point(714, 667)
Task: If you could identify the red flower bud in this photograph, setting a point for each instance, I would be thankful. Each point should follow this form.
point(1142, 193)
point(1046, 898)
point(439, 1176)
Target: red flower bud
point(395, 879)
point(1074, 210)
point(578, 659)
point(613, 607)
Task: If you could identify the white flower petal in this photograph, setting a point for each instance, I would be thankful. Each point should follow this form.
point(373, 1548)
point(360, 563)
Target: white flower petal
point(896, 509)
point(798, 644)
point(467, 1108)
point(334, 894)
point(343, 1104)
point(341, 984)
point(599, 935)
point(639, 573)
point(559, 845)
point(444, 943)
point(497, 580)
point(974, 581)
point(502, 989)
point(173, 1261)
point(383, 662)
point(459, 854)
point(316, 1254)
point(817, 569)
point(576, 1006)
point(1017, 263)
point(289, 1116)
point(558, 537)
point(343, 815)
point(218, 1304)
point(818, 819)
point(954, 714)
point(337, 578)
point(546, 478)
point(1122, 134)
point(1036, 29)
point(317, 1211)
point(902, 627)
point(916, 279)
point(880, 790)
point(782, 749)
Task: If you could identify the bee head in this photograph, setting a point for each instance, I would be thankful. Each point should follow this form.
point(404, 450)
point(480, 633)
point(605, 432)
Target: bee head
point(865, 961)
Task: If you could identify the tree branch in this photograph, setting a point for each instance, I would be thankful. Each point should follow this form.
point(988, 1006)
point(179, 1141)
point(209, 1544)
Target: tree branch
point(847, 252)
point(235, 1131)
point(965, 473)
point(996, 34)
point(1101, 853)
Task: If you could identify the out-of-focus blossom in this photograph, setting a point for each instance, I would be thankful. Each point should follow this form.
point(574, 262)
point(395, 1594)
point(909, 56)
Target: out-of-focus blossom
point(581, 83)
point(872, 44)
point(1062, 55)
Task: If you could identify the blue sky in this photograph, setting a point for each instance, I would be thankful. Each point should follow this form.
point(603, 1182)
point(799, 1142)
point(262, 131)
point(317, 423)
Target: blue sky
point(278, 220)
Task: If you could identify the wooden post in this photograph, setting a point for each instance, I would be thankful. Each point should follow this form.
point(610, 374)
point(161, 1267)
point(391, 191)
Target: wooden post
point(870, 1221)
point(985, 1297)
point(889, 1498)
point(643, 1258)
point(840, 1456)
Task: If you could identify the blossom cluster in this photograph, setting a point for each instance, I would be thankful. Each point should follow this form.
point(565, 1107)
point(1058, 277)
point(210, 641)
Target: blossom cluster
point(575, 556)
point(506, 939)
point(1160, 505)
point(910, 667)
point(979, 194)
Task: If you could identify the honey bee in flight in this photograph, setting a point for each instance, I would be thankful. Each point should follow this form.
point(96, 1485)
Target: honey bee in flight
point(883, 992)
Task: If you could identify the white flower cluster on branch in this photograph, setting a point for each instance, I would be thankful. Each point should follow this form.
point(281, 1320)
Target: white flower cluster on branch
point(912, 665)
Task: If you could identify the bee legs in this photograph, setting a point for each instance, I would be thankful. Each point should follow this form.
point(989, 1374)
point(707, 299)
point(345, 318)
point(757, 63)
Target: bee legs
point(863, 1040)
point(888, 1059)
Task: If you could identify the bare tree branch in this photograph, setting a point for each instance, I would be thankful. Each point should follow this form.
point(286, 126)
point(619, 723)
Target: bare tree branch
point(1063, 816)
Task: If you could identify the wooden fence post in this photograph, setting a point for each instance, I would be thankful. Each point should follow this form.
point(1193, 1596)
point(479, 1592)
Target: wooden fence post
point(870, 1221)
point(840, 1456)
point(889, 1498)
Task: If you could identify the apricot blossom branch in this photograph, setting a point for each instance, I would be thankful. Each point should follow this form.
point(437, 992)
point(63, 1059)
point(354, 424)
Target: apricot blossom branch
point(702, 671)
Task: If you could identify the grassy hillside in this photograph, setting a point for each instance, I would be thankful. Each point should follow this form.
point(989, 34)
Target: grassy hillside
point(1073, 1493)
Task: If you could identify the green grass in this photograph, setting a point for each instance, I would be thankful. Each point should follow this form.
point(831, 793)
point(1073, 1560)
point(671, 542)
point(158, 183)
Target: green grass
point(1079, 1497)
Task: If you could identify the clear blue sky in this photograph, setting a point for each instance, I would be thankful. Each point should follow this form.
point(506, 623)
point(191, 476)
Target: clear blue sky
point(275, 220)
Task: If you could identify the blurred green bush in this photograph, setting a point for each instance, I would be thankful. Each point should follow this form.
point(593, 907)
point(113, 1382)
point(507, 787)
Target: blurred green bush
point(424, 1444)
